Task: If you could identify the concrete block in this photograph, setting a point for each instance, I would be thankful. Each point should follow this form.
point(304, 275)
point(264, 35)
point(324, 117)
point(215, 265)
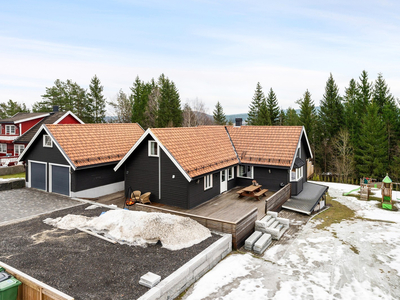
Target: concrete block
point(250, 241)
point(270, 222)
point(196, 261)
point(149, 280)
point(262, 244)
point(272, 214)
point(273, 225)
point(152, 294)
point(200, 270)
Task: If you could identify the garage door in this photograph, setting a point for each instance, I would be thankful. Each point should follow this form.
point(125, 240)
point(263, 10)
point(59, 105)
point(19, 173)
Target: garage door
point(38, 176)
point(60, 179)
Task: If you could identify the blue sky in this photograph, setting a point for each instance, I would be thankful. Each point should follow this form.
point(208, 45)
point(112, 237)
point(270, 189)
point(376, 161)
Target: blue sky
point(212, 50)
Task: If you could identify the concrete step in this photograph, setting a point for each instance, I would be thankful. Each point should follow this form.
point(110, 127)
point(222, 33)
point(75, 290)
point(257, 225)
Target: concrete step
point(262, 244)
point(270, 221)
point(273, 225)
point(251, 240)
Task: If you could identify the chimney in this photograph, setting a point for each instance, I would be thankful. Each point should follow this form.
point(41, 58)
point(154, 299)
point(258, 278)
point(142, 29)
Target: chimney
point(55, 108)
point(238, 122)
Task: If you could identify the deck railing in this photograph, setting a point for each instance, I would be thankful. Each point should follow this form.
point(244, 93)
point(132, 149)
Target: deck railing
point(240, 229)
point(8, 160)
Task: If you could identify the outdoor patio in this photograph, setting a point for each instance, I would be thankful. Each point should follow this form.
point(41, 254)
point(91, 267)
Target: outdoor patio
point(226, 206)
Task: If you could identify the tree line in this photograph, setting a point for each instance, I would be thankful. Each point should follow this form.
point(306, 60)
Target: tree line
point(352, 135)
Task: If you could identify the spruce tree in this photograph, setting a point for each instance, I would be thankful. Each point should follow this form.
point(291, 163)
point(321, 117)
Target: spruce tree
point(292, 118)
point(218, 114)
point(371, 154)
point(389, 112)
point(97, 100)
point(307, 115)
point(273, 108)
point(140, 97)
point(169, 111)
point(254, 116)
point(331, 109)
point(352, 120)
point(364, 93)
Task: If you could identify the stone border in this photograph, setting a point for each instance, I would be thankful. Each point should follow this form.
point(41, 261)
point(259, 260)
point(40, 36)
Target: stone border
point(181, 279)
point(12, 184)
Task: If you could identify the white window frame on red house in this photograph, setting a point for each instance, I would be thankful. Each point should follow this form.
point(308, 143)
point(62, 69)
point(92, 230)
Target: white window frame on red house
point(10, 129)
point(18, 149)
point(3, 148)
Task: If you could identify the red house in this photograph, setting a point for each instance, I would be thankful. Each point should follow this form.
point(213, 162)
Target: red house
point(16, 132)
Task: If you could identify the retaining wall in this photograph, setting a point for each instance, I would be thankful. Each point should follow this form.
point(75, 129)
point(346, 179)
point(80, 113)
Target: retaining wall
point(12, 184)
point(181, 279)
point(12, 170)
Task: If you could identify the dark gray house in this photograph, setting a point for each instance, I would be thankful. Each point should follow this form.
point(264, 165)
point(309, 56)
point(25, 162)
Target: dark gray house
point(77, 160)
point(185, 167)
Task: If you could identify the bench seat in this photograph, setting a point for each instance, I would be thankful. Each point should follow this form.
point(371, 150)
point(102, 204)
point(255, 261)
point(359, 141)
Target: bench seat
point(262, 192)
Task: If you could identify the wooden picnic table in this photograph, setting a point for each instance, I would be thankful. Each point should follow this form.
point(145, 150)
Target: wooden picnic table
point(252, 191)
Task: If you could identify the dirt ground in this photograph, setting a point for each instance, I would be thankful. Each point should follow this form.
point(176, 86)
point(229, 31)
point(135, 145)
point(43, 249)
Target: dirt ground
point(84, 266)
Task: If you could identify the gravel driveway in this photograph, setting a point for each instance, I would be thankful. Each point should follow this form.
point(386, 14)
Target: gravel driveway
point(24, 203)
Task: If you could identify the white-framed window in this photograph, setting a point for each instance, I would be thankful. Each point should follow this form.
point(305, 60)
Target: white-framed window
point(153, 148)
point(296, 174)
point(231, 173)
point(208, 182)
point(3, 148)
point(245, 172)
point(10, 129)
point(18, 149)
point(47, 142)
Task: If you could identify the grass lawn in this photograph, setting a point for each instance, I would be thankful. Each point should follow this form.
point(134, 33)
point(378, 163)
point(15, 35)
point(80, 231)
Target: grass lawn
point(335, 214)
point(18, 175)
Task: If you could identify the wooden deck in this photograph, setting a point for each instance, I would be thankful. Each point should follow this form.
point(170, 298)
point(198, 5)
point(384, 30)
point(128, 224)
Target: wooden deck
point(227, 206)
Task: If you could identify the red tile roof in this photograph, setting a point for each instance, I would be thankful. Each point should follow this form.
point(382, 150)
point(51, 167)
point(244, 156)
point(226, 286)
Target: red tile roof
point(90, 144)
point(198, 150)
point(266, 145)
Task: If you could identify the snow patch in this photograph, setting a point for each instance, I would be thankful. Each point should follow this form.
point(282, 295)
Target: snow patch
point(139, 228)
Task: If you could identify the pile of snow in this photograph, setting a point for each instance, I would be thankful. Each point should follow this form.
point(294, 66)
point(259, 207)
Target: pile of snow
point(139, 228)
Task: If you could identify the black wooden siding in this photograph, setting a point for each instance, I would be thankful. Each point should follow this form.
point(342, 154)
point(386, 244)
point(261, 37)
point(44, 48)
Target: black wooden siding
point(174, 191)
point(197, 194)
point(80, 179)
point(141, 171)
point(271, 178)
point(94, 177)
point(44, 154)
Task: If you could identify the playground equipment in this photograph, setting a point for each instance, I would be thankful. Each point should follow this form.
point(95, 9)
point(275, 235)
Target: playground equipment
point(387, 187)
point(348, 193)
point(365, 187)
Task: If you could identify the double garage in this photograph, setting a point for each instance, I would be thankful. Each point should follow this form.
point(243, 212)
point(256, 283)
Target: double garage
point(50, 177)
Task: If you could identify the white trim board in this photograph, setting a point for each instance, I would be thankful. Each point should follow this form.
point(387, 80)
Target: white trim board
point(160, 145)
point(66, 114)
point(303, 131)
point(100, 190)
point(31, 118)
point(44, 127)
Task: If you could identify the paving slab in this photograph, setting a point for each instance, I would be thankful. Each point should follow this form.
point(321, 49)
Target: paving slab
point(24, 203)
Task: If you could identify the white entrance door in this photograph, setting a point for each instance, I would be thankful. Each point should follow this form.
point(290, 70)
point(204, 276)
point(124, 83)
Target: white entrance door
point(224, 180)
